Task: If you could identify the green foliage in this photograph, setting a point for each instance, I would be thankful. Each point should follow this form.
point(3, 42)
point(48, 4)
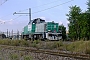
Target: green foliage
point(58, 44)
point(20, 43)
point(75, 46)
point(24, 43)
point(14, 42)
point(74, 19)
point(79, 46)
point(5, 42)
point(14, 57)
point(88, 3)
point(36, 41)
point(63, 30)
point(34, 45)
point(79, 26)
point(54, 45)
point(28, 58)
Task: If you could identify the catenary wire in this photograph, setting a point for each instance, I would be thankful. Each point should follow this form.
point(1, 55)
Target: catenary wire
point(33, 7)
point(3, 2)
point(41, 5)
point(52, 7)
point(46, 9)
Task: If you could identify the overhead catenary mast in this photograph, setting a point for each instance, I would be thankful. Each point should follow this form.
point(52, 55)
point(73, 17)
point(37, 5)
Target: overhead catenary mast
point(25, 13)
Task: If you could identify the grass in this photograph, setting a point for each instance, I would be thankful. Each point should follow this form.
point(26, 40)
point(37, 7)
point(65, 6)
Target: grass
point(77, 46)
point(35, 43)
point(14, 42)
point(28, 58)
point(54, 45)
point(14, 57)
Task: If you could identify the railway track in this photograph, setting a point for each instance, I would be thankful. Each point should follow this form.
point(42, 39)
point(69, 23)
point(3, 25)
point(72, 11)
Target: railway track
point(50, 52)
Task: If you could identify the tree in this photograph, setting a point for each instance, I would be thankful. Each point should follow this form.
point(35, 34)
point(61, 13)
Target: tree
point(63, 30)
point(74, 19)
point(84, 26)
point(79, 26)
point(88, 3)
point(88, 18)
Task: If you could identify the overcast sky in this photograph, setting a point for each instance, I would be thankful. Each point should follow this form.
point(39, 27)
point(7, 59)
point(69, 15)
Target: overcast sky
point(57, 14)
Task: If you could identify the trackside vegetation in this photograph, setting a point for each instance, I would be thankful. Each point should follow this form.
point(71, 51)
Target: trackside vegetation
point(77, 46)
point(79, 23)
